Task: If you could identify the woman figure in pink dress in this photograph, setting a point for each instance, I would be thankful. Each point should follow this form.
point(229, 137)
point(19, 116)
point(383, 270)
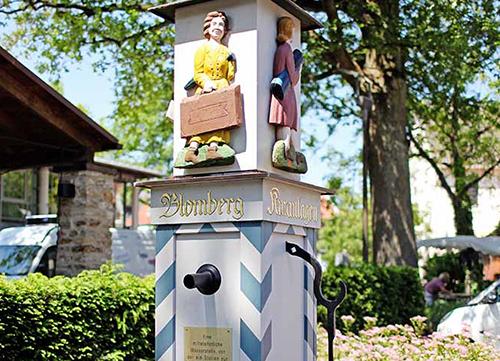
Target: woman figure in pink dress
point(283, 113)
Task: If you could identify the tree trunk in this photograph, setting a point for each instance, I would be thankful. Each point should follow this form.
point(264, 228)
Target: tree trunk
point(393, 233)
point(461, 201)
point(463, 216)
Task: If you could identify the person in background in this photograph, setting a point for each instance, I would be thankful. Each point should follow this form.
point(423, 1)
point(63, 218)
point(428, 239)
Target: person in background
point(435, 286)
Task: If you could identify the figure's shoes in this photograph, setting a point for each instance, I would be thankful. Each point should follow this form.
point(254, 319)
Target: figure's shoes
point(191, 156)
point(212, 153)
point(291, 154)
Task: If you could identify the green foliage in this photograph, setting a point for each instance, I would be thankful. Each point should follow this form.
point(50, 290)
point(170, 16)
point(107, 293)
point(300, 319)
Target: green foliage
point(450, 262)
point(391, 294)
point(98, 315)
point(119, 36)
point(344, 230)
point(453, 100)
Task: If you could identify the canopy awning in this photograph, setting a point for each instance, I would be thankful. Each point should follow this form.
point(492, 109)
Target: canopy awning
point(38, 126)
point(485, 245)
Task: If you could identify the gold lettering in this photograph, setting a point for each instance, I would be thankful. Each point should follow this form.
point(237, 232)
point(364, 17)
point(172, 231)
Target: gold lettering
point(201, 207)
point(169, 201)
point(275, 194)
point(238, 208)
point(220, 204)
point(212, 204)
point(174, 203)
point(229, 201)
point(291, 209)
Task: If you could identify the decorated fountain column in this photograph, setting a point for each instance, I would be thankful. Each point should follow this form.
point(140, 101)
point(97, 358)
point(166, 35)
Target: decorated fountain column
point(226, 290)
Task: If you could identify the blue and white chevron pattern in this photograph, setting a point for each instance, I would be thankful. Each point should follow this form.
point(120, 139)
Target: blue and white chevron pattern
point(310, 236)
point(309, 300)
point(256, 274)
point(165, 294)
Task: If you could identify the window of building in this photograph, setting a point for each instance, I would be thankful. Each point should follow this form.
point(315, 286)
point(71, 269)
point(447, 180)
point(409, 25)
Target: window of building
point(17, 195)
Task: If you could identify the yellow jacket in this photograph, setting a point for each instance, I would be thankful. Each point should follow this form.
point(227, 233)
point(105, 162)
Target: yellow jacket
point(213, 64)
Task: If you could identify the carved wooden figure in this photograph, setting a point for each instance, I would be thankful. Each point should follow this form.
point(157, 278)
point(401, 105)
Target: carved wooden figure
point(283, 112)
point(207, 117)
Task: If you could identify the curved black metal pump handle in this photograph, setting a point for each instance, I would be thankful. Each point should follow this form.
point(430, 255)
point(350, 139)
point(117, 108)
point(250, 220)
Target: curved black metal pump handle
point(207, 279)
point(330, 305)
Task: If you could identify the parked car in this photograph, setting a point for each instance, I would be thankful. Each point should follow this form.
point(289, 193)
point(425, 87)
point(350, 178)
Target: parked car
point(33, 248)
point(480, 317)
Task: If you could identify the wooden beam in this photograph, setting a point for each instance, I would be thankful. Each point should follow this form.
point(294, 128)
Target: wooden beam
point(45, 108)
point(33, 93)
point(35, 157)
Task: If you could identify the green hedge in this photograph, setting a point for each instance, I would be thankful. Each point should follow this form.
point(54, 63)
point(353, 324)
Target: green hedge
point(391, 294)
point(106, 315)
point(99, 315)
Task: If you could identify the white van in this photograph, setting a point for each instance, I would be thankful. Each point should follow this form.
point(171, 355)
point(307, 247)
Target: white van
point(33, 248)
point(480, 317)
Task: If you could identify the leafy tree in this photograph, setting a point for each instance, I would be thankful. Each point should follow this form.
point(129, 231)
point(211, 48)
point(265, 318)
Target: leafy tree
point(455, 125)
point(362, 48)
point(440, 49)
point(117, 35)
point(361, 41)
point(343, 230)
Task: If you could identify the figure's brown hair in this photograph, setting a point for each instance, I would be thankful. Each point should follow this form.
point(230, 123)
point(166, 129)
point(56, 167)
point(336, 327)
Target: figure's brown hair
point(285, 29)
point(212, 15)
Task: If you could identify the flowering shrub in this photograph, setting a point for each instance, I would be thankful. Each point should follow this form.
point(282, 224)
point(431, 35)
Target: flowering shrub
point(397, 342)
point(391, 294)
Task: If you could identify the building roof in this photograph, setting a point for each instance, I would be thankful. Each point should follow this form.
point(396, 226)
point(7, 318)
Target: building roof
point(38, 126)
point(308, 22)
point(123, 172)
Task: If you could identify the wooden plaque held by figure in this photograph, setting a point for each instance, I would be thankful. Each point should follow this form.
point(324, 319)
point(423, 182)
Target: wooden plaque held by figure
point(221, 109)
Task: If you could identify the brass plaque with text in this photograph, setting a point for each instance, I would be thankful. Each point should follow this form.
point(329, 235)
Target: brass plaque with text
point(207, 344)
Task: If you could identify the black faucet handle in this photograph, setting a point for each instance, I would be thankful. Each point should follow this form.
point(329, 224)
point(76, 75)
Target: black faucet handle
point(207, 279)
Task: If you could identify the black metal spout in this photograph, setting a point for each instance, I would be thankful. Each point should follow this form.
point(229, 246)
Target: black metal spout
point(331, 305)
point(207, 279)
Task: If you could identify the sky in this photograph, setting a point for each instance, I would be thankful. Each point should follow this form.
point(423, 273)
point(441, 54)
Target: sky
point(94, 91)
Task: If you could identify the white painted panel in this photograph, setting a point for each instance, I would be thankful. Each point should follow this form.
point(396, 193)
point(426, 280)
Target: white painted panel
point(238, 201)
point(288, 204)
point(268, 14)
point(220, 309)
point(242, 42)
point(251, 200)
point(287, 301)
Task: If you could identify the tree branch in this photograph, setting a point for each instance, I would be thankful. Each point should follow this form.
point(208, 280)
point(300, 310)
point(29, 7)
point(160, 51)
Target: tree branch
point(87, 10)
point(14, 11)
point(478, 179)
point(310, 5)
point(434, 166)
point(120, 42)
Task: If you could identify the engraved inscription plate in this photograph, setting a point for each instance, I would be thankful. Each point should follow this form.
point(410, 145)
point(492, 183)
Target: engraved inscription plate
point(207, 344)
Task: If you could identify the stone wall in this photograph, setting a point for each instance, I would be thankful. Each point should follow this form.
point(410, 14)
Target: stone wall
point(85, 241)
